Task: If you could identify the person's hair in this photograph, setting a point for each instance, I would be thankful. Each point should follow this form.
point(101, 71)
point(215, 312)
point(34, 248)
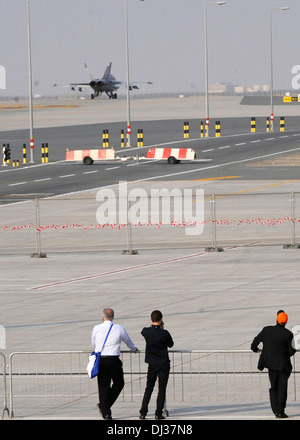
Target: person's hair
point(108, 313)
point(156, 316)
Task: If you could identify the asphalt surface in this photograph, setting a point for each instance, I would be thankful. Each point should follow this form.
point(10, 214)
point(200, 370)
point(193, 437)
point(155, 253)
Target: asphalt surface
point(228, 155)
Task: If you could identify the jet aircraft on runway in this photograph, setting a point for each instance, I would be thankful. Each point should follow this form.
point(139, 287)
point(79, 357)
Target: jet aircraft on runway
point(107, 84)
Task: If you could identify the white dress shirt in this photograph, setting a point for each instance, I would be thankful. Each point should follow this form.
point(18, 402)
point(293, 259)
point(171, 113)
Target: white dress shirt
point(117, 335)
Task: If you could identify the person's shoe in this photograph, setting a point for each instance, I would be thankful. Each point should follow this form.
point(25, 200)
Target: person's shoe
point(99, 409)
point(160, 417)
point(142, 416)
point(281, 416)
point(104, 416)
point(107, 417)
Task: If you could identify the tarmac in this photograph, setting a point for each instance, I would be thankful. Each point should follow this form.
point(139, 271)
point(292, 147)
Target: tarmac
point(66, 111)
point(210, 300)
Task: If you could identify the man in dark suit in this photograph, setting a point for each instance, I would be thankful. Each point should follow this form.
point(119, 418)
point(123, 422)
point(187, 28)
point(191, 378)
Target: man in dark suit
point(157, 342)
point(275, 355)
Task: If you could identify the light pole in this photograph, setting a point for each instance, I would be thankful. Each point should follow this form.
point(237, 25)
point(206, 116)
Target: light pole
point(206, 64)
point(30, 85)
point(127, 76)
point(284, 8)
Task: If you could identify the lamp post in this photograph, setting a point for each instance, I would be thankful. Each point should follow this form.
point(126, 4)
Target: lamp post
point(284, 8)
point(206, 63)
point(127, 76)
point(30, 85)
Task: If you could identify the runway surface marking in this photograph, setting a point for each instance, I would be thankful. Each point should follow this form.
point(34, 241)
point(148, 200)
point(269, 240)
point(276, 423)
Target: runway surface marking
point(220, 165)
point(216, 178)
point(186, 171)
point(130, 268)
point(171, 143)
point(265, 186)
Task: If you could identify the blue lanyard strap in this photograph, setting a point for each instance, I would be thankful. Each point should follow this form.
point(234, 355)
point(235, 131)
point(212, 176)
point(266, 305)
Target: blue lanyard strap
point(107, 336)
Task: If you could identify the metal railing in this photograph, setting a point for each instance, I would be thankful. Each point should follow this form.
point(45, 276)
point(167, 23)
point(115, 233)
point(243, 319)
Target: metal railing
point(68, 223)
point(3, 385)
point(52, 380)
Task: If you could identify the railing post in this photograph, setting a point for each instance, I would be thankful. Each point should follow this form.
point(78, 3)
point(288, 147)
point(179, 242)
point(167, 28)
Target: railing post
point(38, 253)
point(5, 408)
point(293, 244)
point(213, 247)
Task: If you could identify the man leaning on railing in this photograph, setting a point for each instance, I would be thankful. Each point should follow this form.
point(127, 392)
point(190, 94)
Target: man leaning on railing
point(275, 356)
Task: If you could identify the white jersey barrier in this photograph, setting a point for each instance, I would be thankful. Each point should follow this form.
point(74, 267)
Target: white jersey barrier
point(88, 156)
point(173, 155)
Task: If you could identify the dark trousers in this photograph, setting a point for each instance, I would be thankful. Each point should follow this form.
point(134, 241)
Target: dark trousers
point(278, 390)
point(162, 373)
point(110, 382)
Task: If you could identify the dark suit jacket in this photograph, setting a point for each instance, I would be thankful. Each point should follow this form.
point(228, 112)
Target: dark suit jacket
point(277, 348)
point(157, 342)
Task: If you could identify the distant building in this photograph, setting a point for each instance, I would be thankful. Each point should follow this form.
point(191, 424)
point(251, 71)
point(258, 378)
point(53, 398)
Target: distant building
point(239, 90)
point(221, 88)
point(258, 88)
point(230, 89)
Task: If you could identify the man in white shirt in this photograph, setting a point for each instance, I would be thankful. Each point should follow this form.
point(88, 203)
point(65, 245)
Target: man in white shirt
point(111, 369)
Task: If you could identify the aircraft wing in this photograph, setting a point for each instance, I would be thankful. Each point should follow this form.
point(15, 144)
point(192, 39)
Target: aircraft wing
point(134, 85)
point(73, 86)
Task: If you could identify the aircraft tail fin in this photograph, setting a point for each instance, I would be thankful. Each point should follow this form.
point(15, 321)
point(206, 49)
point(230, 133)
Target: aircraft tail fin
point(107, 71)
point(90, 74)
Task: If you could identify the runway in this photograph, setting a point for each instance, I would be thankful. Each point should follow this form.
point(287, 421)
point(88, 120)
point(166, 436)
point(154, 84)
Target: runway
point(244, 156)
point(78, 124)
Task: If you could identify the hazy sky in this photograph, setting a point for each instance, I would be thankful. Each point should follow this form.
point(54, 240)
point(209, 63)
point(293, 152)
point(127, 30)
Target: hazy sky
point(166, 42)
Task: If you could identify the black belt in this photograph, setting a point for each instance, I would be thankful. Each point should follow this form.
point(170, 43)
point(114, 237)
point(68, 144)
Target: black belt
point(110, 356)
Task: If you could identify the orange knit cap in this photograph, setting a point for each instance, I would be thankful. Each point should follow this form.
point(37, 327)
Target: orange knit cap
point(282, 318)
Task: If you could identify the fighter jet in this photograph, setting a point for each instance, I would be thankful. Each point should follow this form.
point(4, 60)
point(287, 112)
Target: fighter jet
point(107, 84)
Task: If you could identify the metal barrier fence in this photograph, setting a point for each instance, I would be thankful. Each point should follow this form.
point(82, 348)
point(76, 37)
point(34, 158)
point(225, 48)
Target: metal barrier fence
point(51, 381)
point(3, 385)
point(69, 223)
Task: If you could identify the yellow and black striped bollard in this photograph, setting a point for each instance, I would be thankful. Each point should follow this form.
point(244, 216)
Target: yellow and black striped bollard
point(253, 125)
point(43, 153)
point(282, 123)
point(186, 130)
point(24, 154)
point(46, 153)
point(218, 128)
point(105, 138)
point(140, 136)
point(122, 139)
point(268, 124)
point(202, 129)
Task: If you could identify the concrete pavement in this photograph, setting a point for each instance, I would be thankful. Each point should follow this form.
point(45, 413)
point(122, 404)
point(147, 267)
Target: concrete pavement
point(210, 300)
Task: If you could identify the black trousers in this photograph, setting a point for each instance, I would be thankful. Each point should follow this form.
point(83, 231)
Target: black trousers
point(162, 373)
point(110, 382)
point(278, 390)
